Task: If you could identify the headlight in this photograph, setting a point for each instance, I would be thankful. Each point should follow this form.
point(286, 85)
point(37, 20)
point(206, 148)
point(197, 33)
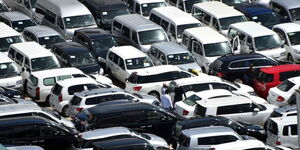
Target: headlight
point(19, 82)
point(297, 51)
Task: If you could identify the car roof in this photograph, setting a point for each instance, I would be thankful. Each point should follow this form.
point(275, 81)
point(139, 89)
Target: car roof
point(15, 16)
point(103, 133)
point(4, 58)
point(218, 9)
point(95, 92)
point(57, 72)
point(106, 5)
point(24, 120)
point(148, 1)
point(214, 93)
point(285, 120)
point(137, 22)
point(169, 48)
point(205, 34)
point(225, 101)
point(71, 47)
point(120, 142)
point(5, 109)
point(252, 9)
point(289, 4)
point(288, 27)
point(230, 58)
point(41, 31)
point(32, 49)
point(208, 131)
point(253, 29)
point(280, 68)
point(157, 70)
point(198, 79)
point(7, 31)
point(94, 33)
point(127, 52)
point(76, 81)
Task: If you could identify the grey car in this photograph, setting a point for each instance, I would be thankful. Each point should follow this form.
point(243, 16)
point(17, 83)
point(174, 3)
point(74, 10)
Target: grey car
point(16, 20)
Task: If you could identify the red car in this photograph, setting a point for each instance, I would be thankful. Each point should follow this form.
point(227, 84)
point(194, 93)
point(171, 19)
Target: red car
point(272, 76)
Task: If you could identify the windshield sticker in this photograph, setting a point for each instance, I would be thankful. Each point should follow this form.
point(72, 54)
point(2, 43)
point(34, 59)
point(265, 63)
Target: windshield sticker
point(171, 56)
point(20, 22)
point(67, 19)
point(46, 38)
point(3, 67)
point(145, 5)
point(146, 64)
point(72, 56)
point(104, 13)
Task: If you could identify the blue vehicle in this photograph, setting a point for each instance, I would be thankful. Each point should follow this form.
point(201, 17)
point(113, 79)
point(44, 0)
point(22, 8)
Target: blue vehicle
point(260, 14)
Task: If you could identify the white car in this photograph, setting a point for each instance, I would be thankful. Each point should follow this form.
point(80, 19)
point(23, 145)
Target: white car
point(280, 94)
point(86, 139)
point(241, 145)
point(63, 91)
point(204, 138)
point(150, 80)
point(237, 108)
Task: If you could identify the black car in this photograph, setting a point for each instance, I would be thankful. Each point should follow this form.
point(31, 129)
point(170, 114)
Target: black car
point(11, 93)
point(123, 144)
point(97, 41)
point(239, 127)
point(240, 66)
point(29, 130)
point(104, 11)
point(141, 117)
point(72, 54)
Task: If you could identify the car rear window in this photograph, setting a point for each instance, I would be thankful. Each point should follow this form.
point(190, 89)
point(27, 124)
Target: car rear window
point(49, 81)
point(214, 140)
point(285, 85)
point(33, 80)
point(75, 100)
point(56, 89)
point(100, 99)
point(289, 74)
point(264, 77)
point(272, 127)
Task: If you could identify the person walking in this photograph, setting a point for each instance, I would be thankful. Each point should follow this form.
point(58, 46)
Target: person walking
point(166, 101)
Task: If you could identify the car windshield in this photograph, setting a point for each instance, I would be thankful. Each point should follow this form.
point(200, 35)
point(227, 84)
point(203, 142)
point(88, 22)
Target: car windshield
point(6, 41)
point(147, 7)
point(104, 44)
point(48, 41)
point(217, 49)
point(138, 63)
point(82, 59)
point(79, 21)
point(21, 24)
point(294, 38)
point(44, 63)
point(152, 36)
point(108, 16)
point(232, 2)
point(295, 13)
point(225, 22)
point(3, 8)
point(181, 58)
point(191, 101)
point(189, 4)
point(8, 70)
point(269, 19)
point(181, 28)
point(267, 42)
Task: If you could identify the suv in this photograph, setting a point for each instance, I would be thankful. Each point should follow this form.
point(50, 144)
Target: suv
point(150, 80)
point(138, 116)
point(88, 99)
point(16, 20)
point(232, 67)
point(97, 41)
point(272, 76)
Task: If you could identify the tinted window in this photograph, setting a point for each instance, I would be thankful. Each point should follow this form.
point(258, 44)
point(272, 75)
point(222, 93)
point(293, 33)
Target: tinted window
point(33, 80)
point(285, 131)
point(168, 76)
point(216, 140)
point(56, 89)
point(232, 109)
point(101, 99)
point(184, 140)
point(285, 85)
point(200, 110)
point(264, 77)
point(75, 100)
point(294, 129)
point(195, 87)
point(223, 86)
point(272, 127)
point(289, 74)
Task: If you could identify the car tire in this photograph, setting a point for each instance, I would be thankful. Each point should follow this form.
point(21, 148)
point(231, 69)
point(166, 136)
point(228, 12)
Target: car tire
point(155, 94)
point(64, 111)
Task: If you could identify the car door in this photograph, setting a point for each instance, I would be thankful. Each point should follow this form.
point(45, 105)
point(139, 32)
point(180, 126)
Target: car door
point(122, 73)
point(252, 113)
point(22, 135)
point(198, 52)
point(114, 65)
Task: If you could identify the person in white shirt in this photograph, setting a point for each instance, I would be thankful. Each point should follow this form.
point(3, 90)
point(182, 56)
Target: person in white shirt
point(166, 100)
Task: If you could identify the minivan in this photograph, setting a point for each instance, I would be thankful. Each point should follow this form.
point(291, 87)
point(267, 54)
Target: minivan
point(9, 73)
point(138, 31)
point(8, 36)
point(31, 57)
point(174, 21)
point(65, 16)
point(144, 7)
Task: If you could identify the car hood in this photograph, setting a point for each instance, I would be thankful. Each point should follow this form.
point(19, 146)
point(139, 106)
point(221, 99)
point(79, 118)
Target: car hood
point(157, 141)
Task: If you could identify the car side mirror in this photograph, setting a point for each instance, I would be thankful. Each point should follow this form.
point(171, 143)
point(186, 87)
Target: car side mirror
point(256, 110)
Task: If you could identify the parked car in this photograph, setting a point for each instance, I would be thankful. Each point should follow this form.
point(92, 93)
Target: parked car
point(260, 14)
point(284, 111)
point(86, 139)
point(11, 93)
point(232, 67)
point(206, 137)
point(272, 76)
point(16, 20)
point(63, 91)
point(43, 35)
point(8, 36)
point(88, 99)
point(280, 94)
point(9, 73)
point(289, 34)
point(141, 117)
point(97, 41)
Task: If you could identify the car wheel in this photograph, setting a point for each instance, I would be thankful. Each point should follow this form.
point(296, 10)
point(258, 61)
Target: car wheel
point(290, 58)
point(64, 111)
point(155, 94)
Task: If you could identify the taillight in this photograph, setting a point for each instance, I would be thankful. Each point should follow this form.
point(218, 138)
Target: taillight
point(37, 93)
point(280, 99)
point(79, 109)
point(220, 74)
point(137, 88)
point(278, 143)
point(185, 112)
point(60, 99)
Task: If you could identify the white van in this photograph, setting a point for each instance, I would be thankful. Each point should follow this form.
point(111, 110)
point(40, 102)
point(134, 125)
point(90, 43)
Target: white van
point(217, 15)
point(9, 73)
point(65, 16)
point(282, 131)
point(138, 31)
point(8, 36)
point(25, 6)
point(185, 5)
point(174, 21)
point(123, 60)
point(144, 7)
point(31, 57)
point(206, 45)
point(251, 37)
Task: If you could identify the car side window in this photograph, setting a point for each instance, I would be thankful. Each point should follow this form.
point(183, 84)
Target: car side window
point(121, 63)
point(232, 33)
point(111, 55)
point(197, 47)
point(206, 18)
point(239, 64)
point(289, 74)
point(11, 53)
point(164, 24)
point(281, 34)
point(125, 32)
point(172, 30)
point(249, 42)
point(162, 58)
point(155, 19)
point(50, 131)
point(134, 37)
point(215, 24)
point(153, 52)
point(223, 86)
point(60, 22)
point(75, 88)
point(19, 58)
point(116, 59)
point(117, 26)
point(185, 40)
point(27, 4)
